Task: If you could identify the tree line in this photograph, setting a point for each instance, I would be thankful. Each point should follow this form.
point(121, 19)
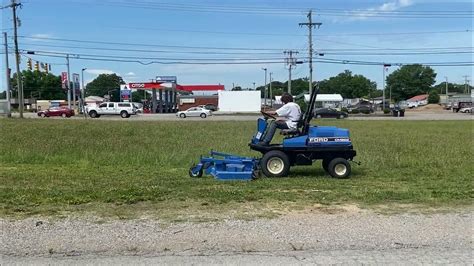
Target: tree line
point(404, 83)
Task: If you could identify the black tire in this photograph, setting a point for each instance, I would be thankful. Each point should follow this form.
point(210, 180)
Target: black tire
point(341, 117)
point(318, 117)
point(182, 115)
point(124, 114)
point(63, 115)
point(93, 114)
point(192, 174)
point(325, 164)
point(203, 115)
point(339, 168)
point(43, 115)
point(275, 157)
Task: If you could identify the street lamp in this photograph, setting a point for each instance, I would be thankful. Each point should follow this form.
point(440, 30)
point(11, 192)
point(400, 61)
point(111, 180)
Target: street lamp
point(385, 68)
point(265, 87)
point(83, 93)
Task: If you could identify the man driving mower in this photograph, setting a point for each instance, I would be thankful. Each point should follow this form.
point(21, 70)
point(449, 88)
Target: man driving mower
point(288, 116)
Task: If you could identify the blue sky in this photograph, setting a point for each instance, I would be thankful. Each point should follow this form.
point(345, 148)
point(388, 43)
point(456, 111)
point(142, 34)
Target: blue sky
point(263, 24)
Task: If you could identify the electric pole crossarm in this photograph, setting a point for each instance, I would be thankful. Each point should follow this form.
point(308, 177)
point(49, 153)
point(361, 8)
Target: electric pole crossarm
point(310, 24)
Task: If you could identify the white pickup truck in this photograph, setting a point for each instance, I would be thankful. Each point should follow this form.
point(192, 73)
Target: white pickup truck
point(125, 110)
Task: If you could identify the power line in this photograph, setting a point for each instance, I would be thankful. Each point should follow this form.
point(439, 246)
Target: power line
point(232, 48)
point(155, 45)
point(152, 51)
point(325, 60)
point(290, 11)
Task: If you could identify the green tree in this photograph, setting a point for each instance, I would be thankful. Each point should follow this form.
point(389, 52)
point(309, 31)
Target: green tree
point(105, 84)
point(237, 88)
point(39, 85)
point(139, 96)
point(452, 87)
point(411, 80)
point(433, 97)
point(348, 85)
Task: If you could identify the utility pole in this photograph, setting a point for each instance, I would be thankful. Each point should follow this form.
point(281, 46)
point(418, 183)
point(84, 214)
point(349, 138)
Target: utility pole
point(254, 86)
point(14, 5)
point(310, 26)
point(447, 97)
point(265, 88)
point(9, 113)
point(83, 94)
point(290, 61)
point(68, 83)
point(385, 68)
point(466, 84)
point(270, 92)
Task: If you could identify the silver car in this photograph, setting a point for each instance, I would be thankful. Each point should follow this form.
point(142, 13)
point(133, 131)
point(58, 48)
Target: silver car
point(194, 111)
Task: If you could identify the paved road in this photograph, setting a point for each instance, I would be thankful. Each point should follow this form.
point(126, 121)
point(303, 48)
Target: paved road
point(447, 115)
point(349, 237)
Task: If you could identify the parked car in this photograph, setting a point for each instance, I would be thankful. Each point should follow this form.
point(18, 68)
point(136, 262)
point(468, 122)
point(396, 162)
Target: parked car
point(364, 109)
point(466, 110)
point(138, 107)
point(56, 111)
point(125, 110)
point(330, 113)
point(194, 111)
point(209, 106)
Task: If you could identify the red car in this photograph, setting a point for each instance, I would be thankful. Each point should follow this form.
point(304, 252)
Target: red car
point(56, 111)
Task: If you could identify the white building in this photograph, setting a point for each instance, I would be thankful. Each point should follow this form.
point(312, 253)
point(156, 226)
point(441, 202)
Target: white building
point(326, 100)
point(239, 101)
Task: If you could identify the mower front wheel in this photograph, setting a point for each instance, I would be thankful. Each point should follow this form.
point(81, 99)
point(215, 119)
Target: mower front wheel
point(339, 168)
point(325, 164)
point(195, 174)
point(275, 164)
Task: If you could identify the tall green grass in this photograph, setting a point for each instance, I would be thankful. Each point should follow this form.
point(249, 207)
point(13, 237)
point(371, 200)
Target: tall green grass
point(48, 166)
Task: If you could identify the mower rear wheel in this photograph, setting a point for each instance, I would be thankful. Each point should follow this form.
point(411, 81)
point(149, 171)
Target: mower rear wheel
point(275, 164)
point(339, 168)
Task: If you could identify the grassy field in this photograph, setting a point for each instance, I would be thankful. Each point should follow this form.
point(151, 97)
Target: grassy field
point(131, 168)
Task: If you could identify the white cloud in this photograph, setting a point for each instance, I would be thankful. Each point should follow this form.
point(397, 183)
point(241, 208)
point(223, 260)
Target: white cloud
point(41, 35)
point(386, 7)
point(130, 74)
point(100, 71)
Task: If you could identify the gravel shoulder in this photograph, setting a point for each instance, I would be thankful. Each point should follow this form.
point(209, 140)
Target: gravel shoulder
point(348, 236)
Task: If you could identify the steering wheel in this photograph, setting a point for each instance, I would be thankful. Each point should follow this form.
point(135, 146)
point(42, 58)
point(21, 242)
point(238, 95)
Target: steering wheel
point(267, 116)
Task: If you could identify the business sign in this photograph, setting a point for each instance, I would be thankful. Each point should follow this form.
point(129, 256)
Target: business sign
point(142, 85)
point(167, 78)
point(125, 92)
point(64, 80)
point(75, 81)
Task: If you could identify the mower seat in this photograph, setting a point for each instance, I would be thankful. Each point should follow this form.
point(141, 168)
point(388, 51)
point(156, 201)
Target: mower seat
point(294, 132)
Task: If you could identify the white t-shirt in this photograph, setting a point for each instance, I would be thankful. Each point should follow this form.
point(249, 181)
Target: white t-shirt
point(292, 112)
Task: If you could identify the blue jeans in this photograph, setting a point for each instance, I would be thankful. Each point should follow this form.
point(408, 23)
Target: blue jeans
point(272, 129)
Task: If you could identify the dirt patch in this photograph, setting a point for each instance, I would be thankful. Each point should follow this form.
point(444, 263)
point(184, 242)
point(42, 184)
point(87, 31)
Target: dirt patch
point(429, 108)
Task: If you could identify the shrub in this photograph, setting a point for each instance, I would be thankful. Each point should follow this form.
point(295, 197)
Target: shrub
point(355, 111)
point(386, 111)
point(344, 109)
point(433, 97)
point(365, 112)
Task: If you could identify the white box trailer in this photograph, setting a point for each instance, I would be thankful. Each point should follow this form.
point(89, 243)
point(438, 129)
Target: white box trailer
point(239, 101)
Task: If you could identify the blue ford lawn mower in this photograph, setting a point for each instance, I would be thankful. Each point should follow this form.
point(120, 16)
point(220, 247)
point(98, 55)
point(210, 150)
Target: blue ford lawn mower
point(301, 146)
